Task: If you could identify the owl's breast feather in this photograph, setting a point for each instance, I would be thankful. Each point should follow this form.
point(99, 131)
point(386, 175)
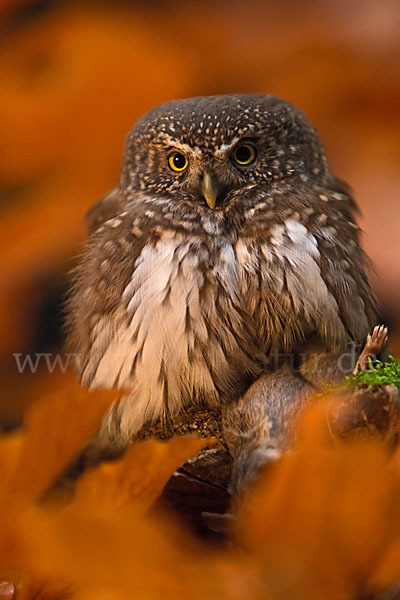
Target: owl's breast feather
point(196, 321)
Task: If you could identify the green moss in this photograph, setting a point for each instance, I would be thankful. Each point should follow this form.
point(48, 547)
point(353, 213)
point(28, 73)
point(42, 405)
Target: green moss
point(377, 373)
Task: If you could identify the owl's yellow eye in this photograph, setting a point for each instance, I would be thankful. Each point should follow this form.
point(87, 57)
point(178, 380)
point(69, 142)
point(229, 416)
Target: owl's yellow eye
point(244, 154)
point(178, 161)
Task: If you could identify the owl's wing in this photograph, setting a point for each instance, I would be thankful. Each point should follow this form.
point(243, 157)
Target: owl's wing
point(343, 268)
point(102, 274)
point(342, 187)
point(313, 270)
point(343, 263)
point(107, 207)
point(344, 273)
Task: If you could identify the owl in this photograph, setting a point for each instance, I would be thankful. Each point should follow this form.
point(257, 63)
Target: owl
point(224, 269)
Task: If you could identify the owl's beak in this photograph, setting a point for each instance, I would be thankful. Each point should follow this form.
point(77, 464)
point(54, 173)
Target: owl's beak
point(210, 189)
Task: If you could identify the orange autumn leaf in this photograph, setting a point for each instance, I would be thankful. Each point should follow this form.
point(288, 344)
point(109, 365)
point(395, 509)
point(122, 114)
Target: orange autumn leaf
point(388, 566)
point(138, 478)
point(10, 450)
point(321, 520)
point(387, 571)
point(22, 537)
point(124, 554)
point(56, 428)
point(32, 537)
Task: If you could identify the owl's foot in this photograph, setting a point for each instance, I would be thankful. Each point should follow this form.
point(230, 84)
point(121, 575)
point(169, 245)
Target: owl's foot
point(374, 344)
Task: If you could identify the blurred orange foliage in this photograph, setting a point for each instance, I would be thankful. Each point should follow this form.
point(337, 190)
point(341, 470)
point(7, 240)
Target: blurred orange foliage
point(322, 522)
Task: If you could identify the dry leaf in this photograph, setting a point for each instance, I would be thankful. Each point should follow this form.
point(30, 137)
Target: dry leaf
point(138, 478)
point(322, 518)
point(56, 428)
point(122, 553)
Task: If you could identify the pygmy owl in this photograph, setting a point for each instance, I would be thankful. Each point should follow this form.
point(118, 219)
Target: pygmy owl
point(226, 258)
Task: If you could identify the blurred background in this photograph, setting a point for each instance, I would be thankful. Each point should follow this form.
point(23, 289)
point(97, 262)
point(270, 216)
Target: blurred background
point(74, 77)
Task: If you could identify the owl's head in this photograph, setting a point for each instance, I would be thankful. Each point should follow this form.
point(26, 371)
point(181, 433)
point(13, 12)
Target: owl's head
point(203, 150)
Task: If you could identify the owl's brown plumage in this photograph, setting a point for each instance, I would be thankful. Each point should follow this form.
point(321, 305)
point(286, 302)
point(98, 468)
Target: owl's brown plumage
point(179, 302)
